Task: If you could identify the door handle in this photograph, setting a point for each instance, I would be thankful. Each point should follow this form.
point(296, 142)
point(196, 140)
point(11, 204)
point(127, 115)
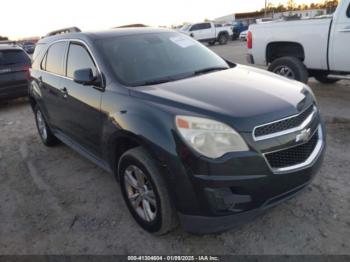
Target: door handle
point(64, 91)
point(40, 82)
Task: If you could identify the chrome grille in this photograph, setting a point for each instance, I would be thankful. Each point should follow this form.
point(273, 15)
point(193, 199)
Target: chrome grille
point(289, 123)
point(292, 156)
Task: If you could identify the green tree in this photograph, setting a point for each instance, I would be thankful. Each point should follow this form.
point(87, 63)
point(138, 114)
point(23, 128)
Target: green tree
point(291, 5)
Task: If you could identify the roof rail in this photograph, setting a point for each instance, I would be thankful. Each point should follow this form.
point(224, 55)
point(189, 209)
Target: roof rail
point(64, 31)
point(131, 25)
point(8, 42)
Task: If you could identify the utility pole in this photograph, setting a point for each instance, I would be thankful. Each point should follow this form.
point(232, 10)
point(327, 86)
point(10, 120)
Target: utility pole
point(265, 7)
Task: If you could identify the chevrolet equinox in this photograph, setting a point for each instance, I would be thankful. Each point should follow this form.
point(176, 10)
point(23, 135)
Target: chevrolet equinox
point(191, 138)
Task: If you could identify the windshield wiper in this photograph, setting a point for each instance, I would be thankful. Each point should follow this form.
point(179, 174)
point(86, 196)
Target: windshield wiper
point(163, 80)
point(179, 76)
point(155, 82)
point(209, 69)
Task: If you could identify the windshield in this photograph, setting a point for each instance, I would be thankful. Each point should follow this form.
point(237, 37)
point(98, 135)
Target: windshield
point(145, 58)
point(185, 27)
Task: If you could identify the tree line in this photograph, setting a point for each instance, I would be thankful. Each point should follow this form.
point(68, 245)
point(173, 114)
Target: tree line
point(330, 5)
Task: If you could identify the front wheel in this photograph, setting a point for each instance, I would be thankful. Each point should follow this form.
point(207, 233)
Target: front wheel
point(323, 78)
point(145, 193)
point(290, 67)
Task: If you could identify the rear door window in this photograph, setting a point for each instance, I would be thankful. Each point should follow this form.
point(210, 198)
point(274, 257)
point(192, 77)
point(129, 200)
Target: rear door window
point(78, 58)
point(55, 57)
point(13, 57)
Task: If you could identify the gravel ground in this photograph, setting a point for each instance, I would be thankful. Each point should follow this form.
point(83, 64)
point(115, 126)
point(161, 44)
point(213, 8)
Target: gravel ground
point(53, 201)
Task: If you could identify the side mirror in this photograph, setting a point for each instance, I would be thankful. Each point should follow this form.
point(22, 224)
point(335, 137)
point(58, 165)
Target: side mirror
point(85, 76)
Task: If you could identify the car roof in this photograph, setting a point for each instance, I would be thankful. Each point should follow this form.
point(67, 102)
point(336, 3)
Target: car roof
point(103, 34)
point(9, 47)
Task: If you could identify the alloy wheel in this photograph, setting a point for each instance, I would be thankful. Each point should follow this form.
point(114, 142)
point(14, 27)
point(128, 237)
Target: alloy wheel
point(140, 193)
point(41, 125)
point(284, 71)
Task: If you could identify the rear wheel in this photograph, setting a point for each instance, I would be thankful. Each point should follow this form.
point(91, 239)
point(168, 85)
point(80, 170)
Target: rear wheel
point(290, 67)
point(323, 78)
point(145, 192)
point(43, 129)
point(223, 39)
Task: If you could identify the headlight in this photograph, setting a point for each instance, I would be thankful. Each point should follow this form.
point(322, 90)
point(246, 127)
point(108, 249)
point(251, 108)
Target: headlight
point(208, 137)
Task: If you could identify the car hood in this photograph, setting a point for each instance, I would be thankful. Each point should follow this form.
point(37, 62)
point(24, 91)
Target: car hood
point(242, 96)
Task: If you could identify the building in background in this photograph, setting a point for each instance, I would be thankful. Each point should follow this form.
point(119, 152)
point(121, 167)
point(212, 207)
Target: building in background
point(227, 19)
point(252, 17)
point(312, 13)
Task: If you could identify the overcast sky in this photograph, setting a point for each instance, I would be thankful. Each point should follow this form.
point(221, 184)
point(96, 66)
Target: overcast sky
point(19, 18)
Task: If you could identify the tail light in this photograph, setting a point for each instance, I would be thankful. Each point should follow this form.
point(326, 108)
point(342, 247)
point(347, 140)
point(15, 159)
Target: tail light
point(27, 72)
point(250, 40)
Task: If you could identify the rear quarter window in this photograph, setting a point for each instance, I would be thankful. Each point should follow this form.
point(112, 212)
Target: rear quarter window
point(13, 57)
point(348, 11)
point(39, 49)
point(38, 54)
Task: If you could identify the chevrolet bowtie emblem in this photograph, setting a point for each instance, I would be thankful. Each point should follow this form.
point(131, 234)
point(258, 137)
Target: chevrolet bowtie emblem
point(303, 136)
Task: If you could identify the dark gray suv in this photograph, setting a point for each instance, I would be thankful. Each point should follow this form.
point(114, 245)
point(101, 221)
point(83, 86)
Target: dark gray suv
point(14, 72)
point(189, 136)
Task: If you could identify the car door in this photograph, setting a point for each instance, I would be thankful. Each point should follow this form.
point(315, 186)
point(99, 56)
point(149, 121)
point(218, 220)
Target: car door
point(82, 118)
point(208, 32)
point(339, 55)
point(197, 31)
point(50, 83)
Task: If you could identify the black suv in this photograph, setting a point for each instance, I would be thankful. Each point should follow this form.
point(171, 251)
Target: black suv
point(14, 72)
point(29, 47)
point(189, 136)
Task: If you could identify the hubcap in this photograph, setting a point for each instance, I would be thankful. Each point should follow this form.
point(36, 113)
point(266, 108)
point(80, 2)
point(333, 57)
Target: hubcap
point(140, 193)
point(41, 125)
point(284, 71)
point(222, 39)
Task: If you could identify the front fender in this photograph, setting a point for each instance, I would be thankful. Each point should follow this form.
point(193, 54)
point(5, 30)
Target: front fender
point(153, 128)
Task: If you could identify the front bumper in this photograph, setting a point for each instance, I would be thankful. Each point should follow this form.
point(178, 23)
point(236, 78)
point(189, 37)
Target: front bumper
point(237, 188)
point(246, 199)
point(208, 225)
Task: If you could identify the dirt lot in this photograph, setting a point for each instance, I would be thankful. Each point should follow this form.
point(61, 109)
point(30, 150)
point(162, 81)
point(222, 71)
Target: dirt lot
point(53, 201)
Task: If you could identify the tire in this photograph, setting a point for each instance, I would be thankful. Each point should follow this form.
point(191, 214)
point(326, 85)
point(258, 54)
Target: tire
point(136, 169)
point(223, 39)
point(235, 36)
point(46, 136)
point(290, 67)
point(325, 80)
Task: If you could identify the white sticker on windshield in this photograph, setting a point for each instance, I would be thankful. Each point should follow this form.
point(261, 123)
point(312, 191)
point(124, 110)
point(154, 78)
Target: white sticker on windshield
point(184, 42)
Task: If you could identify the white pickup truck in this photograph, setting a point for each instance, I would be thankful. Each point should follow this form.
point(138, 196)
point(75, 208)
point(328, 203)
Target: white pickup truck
point(208, 32)
point(300, 49)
